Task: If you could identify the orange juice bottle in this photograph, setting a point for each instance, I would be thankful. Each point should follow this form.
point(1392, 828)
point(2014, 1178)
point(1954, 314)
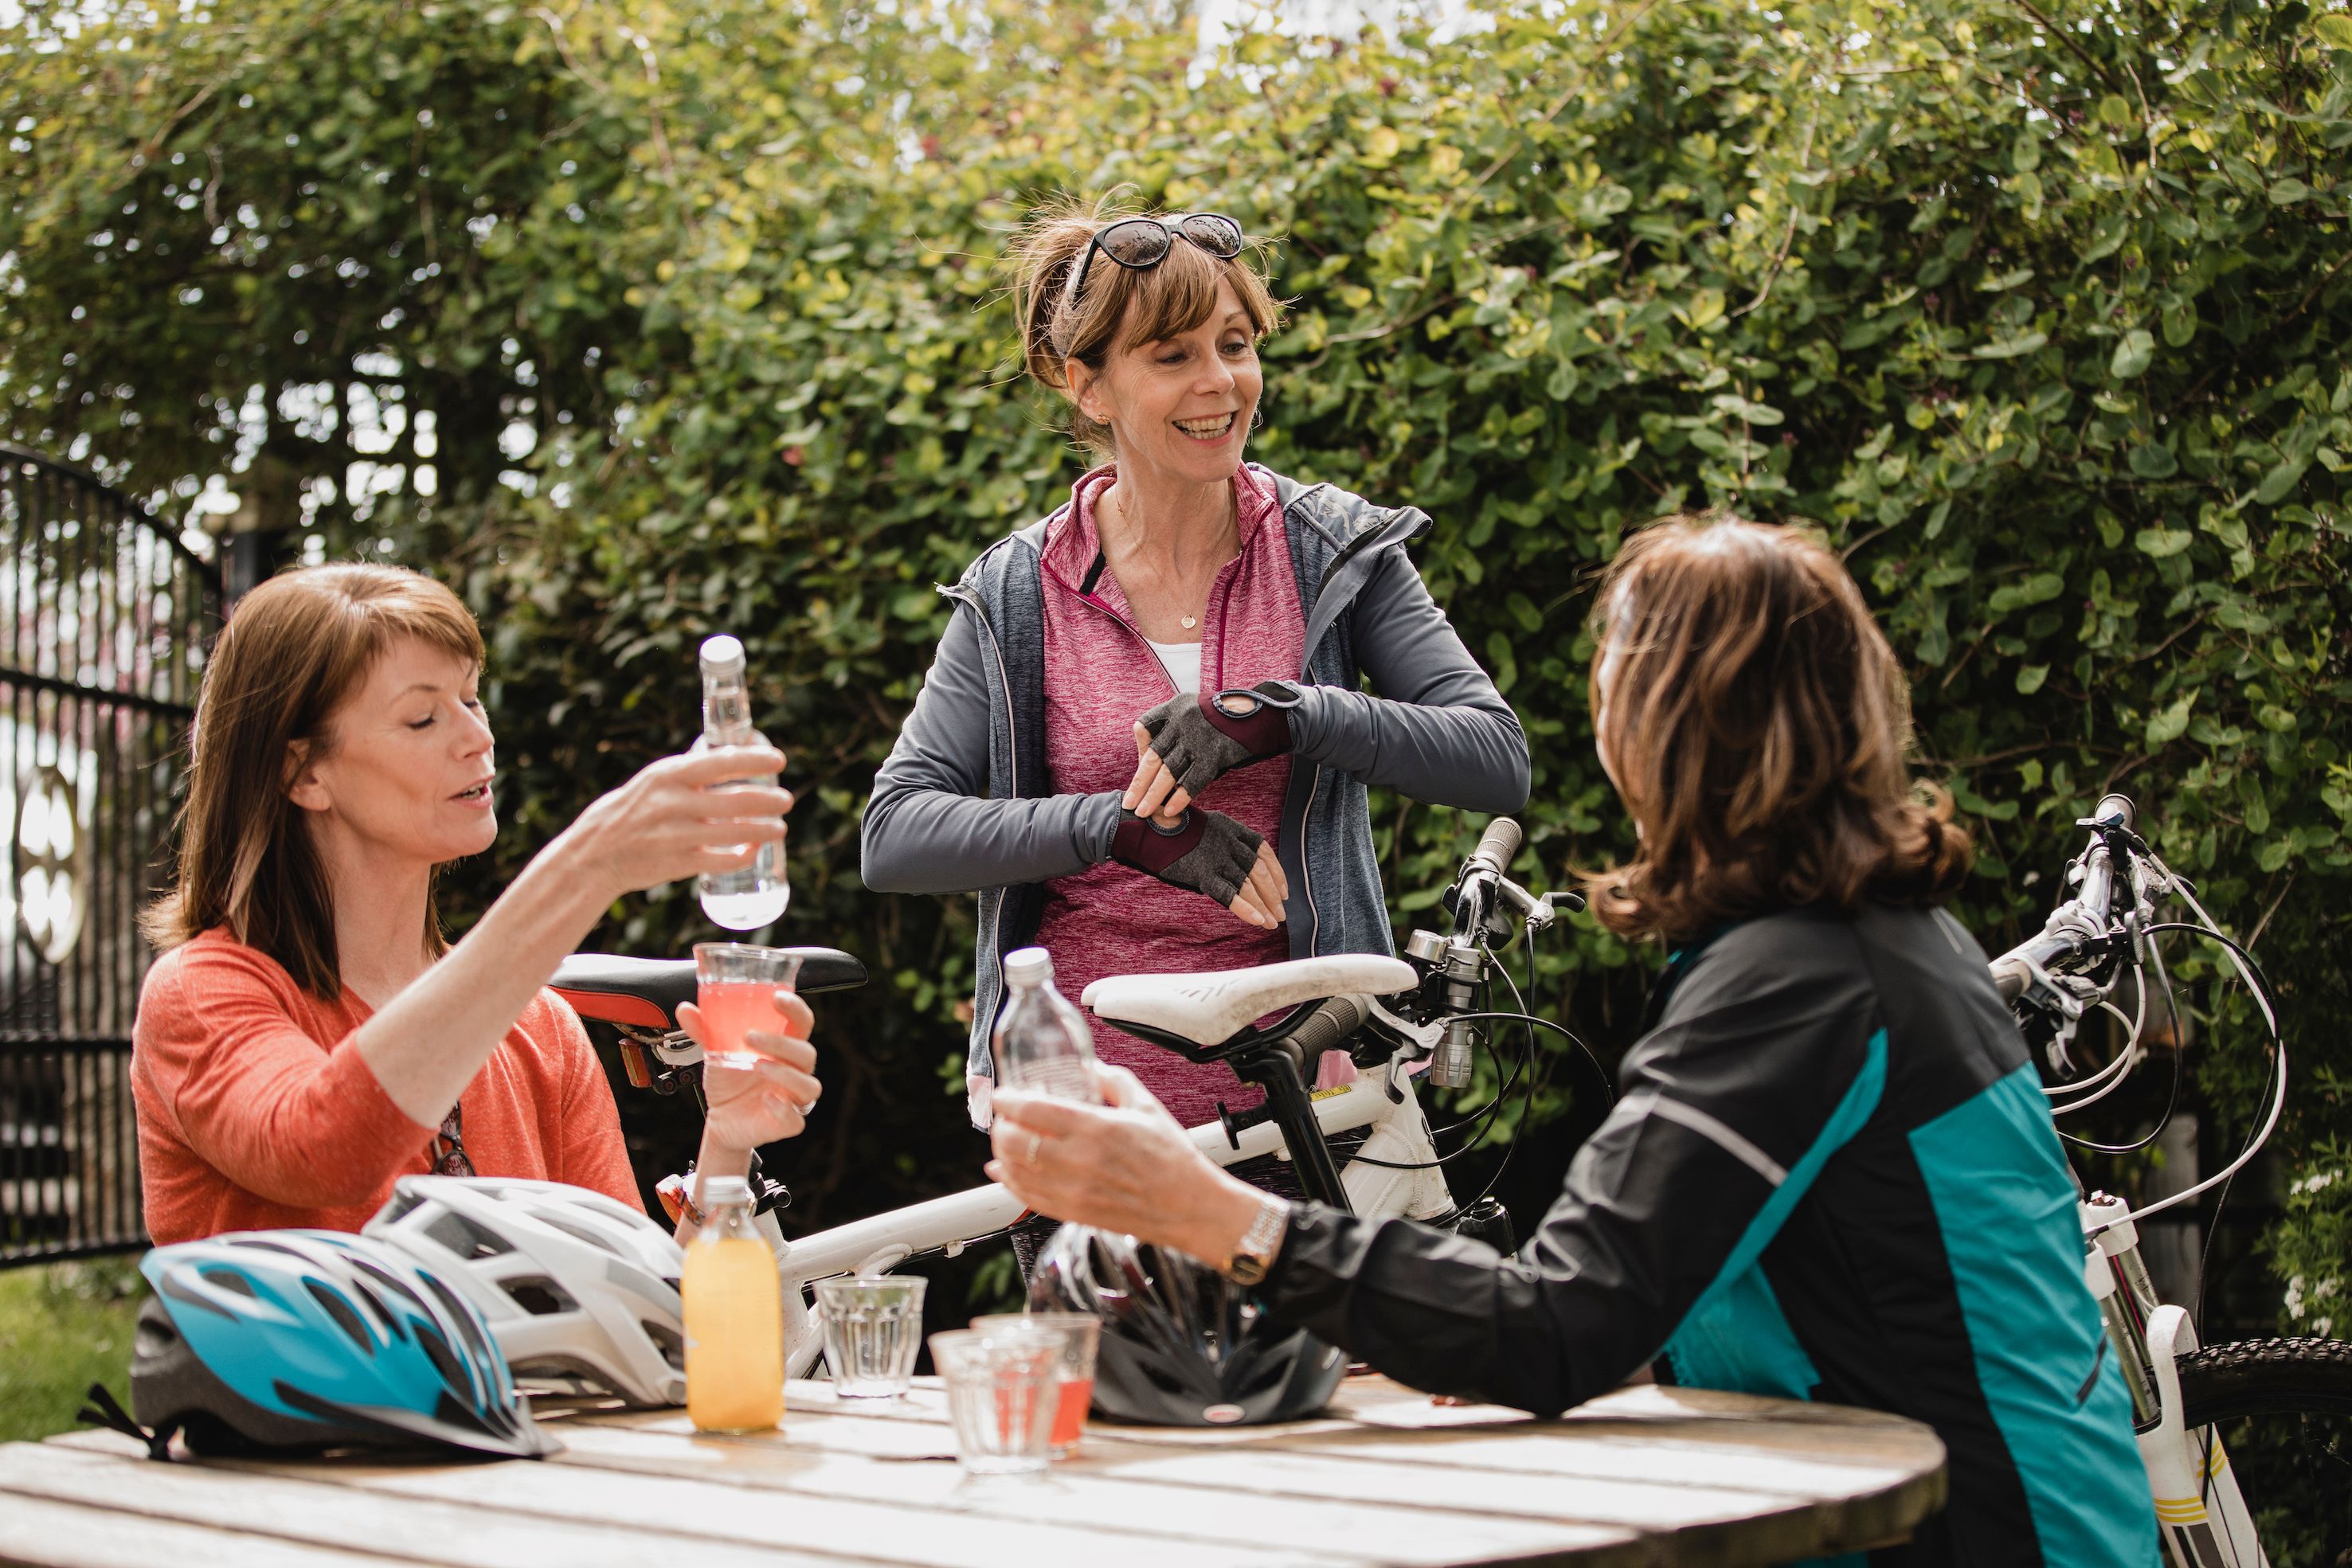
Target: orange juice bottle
point(734, 1317)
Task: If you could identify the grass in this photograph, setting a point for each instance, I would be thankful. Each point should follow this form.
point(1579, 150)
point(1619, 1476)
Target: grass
point(63, 1326)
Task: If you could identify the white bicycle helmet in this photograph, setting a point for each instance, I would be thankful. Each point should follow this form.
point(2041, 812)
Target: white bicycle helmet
point(581, 1292)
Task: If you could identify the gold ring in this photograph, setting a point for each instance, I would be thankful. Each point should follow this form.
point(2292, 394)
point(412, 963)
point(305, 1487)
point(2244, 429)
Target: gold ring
point(1036, 1144)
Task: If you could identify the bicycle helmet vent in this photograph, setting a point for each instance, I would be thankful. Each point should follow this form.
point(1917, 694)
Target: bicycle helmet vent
point(1181, 1345)
point(284, 1342)
point(580, 1291)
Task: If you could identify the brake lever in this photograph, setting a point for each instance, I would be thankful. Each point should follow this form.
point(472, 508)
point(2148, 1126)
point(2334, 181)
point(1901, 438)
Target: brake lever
point(1422, 1037)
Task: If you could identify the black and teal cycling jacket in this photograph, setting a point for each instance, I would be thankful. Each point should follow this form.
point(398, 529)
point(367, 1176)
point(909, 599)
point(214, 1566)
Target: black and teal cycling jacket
point(1832, 1176)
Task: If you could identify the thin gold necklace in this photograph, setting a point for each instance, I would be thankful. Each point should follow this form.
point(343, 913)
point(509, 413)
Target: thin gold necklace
point(1119, 509)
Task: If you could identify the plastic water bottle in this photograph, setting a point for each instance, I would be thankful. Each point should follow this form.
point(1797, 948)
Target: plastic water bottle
point(1042, 1043)
point(755, 896)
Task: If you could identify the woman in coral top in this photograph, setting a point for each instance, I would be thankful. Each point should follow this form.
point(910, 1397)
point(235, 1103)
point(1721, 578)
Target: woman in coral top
point(309, 1035)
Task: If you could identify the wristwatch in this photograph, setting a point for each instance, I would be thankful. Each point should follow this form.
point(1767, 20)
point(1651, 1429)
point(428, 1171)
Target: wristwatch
point(1253, 1259)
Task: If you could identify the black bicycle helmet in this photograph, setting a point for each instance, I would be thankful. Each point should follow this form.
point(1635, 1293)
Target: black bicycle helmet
point(1181, 1345)
point(296, 1341)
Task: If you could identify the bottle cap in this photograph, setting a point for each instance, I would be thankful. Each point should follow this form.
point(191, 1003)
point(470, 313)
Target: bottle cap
point(1028, 967)
point(722, 653)
point(716, 1190)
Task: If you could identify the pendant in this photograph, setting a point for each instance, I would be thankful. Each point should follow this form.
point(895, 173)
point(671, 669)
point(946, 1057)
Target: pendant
point(1190, 623)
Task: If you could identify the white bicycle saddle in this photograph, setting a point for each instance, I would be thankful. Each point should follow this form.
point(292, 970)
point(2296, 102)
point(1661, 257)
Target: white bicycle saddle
point(1210, 1009)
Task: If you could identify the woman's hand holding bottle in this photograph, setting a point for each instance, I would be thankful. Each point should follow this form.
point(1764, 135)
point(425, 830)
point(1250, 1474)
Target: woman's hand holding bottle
point(669, 822)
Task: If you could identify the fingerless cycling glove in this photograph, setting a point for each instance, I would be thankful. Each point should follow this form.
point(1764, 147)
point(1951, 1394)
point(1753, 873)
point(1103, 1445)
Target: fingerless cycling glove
point(1206, 851)
point(1201, 740)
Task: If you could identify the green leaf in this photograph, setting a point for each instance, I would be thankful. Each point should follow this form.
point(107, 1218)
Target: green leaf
point(2286, 191)
point(2168, 723)
point(2334, 30)
point(1753, 413)
point(2180, 323)
point(2154, 460)
point(1706, 306)
point(2132, 354)
point(2030, 679)
point(2280, 482)
point(2011, 348)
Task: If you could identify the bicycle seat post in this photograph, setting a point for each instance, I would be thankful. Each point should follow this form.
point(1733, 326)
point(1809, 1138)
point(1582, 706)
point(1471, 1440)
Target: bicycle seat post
point(1292, 1108)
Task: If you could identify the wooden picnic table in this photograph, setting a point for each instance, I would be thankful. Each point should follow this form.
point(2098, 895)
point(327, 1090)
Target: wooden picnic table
point(1648, 1475)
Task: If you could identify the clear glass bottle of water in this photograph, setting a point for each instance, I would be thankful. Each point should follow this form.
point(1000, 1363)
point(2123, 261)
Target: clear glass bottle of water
point(755, 896)
point(1042, 1043)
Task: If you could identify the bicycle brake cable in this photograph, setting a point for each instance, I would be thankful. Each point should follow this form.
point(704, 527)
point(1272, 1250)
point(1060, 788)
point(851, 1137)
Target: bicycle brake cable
point(2259, 985)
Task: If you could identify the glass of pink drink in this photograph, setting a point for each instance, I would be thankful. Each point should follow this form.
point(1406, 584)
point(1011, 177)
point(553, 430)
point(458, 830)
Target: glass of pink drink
point(735, 986)
point(1082, 1333)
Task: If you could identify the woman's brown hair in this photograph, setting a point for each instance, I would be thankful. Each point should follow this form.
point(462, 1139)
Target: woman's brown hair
point(293, 650)
point(1117, 305)
point(1757, 723)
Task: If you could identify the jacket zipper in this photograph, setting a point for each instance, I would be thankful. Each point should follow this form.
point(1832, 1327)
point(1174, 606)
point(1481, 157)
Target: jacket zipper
point(1013, 754)
point(1368, 539)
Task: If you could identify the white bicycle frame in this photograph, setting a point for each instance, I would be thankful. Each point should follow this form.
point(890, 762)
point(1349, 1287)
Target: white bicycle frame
point(1380, 1099)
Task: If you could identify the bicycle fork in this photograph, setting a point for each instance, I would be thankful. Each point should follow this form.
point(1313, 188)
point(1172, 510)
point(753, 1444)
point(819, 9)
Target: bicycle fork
point(2201, 1516)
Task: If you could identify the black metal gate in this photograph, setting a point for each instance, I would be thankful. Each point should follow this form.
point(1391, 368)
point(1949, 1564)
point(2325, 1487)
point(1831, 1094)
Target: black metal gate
point(104, 619)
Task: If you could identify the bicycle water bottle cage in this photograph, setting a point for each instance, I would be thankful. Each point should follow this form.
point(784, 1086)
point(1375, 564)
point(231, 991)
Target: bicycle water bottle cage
point(1211, 1016)
point(645, 993)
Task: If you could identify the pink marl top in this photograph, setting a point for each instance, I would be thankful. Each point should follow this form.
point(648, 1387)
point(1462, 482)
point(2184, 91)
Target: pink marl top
point(1101, 677)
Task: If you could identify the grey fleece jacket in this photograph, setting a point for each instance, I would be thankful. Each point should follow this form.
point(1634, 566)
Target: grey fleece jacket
point(964, 802)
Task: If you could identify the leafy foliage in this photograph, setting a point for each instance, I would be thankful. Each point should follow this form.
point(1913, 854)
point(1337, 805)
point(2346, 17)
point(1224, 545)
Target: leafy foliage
point(2044, 329)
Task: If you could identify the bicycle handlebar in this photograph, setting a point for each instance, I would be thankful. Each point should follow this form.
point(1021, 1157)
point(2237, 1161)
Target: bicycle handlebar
point(1498, 847)
point(2077, 925)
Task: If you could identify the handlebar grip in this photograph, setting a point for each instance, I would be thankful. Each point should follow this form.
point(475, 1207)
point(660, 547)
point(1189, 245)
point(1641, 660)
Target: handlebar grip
point(2009, 977)
point(1499, 845)
point(1334, 1021)
point(2115, 806)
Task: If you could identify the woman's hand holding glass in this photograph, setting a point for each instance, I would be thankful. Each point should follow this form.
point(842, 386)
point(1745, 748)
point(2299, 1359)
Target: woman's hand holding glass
point(769, 1100)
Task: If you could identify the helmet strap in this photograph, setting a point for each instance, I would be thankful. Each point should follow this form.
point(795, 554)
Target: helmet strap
point(102, 1411)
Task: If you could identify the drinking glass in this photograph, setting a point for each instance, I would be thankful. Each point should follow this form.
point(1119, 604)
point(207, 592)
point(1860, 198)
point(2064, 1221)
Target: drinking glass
point(1081, 1333)
point(735, 985)
point(1002, 1390)
point(873, 1330)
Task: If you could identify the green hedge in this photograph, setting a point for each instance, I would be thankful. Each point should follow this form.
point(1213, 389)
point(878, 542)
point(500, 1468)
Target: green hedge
point(2043, 325)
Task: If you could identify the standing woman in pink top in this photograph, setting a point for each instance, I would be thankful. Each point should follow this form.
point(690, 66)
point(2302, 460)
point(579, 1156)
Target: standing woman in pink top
point(309, 1036)
point(1183, 644)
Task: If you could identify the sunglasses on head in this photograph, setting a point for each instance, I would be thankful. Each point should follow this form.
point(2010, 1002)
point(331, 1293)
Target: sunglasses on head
point(448, 1152)
point(1141, 243)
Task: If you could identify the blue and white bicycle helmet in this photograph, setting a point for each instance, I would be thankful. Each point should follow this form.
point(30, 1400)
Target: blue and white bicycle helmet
point(264, 1341)
point(580, 1291)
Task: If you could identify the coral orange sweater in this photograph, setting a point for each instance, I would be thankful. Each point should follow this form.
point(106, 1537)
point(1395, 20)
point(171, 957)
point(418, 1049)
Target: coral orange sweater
point(256, 1113)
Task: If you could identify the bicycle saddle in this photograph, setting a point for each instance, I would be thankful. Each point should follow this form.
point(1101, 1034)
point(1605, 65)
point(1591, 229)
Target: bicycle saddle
point(1210, 1008)
point(646, 992)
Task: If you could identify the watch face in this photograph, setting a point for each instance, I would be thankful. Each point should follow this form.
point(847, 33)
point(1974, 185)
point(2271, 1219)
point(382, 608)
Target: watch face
point(1246, 1271)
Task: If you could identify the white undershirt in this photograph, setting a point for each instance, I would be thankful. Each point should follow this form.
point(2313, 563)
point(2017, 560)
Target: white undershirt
point(1182, 661)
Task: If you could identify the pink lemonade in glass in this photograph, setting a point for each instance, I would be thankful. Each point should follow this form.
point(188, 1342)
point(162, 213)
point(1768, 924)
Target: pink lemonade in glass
point(1070, 1415)
point(733, 1009)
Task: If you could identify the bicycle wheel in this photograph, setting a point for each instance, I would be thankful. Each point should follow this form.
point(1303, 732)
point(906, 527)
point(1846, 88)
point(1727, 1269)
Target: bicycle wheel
point(2265, 1377)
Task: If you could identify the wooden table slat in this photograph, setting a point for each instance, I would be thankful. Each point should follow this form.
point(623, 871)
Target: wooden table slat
point(1313, 1515)
point(472, 1533)
point(42, 1532)
point(1644, 1476)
